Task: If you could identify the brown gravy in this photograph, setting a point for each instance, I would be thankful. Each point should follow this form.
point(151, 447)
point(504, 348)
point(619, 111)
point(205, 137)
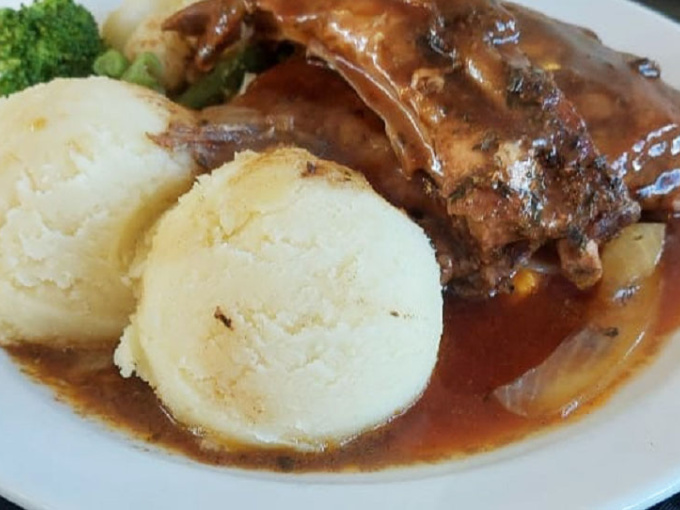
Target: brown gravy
point(485, 344)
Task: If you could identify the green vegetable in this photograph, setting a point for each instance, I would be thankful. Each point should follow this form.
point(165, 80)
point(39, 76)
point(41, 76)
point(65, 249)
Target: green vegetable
point(219, 85)
point(225, 80)
point(46, 40)
point(112, 64)
point(146, 70)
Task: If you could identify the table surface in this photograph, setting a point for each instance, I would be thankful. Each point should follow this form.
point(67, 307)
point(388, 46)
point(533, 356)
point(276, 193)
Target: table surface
point(670, 8)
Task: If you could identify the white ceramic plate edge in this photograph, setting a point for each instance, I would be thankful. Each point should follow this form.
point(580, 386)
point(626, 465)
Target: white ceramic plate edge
point(625, 456)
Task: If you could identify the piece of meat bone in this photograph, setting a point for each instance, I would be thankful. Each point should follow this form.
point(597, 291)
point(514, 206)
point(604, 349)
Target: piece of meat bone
point(463, 103)
point(632, 115)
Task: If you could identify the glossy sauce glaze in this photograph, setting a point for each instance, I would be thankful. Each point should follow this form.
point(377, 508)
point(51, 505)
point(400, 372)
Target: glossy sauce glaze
point(632, 115)
point(485, 344)
point(461, 102)
point(458, 85)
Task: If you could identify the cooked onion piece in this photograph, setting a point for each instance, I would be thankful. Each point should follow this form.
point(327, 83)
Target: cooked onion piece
point(592, 358)
point(631, 258)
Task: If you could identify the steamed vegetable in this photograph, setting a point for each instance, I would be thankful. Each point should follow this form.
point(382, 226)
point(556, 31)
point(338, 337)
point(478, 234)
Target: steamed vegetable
point(592, 358)
point(226, 79)
point(46, 40)
point(145, 70)
point(112, 64)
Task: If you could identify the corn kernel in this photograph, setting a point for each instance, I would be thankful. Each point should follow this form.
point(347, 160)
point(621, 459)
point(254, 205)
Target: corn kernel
point(525, 282)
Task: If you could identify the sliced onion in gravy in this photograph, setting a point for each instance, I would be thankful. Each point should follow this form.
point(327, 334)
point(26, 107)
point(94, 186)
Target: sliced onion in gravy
point(590, 359)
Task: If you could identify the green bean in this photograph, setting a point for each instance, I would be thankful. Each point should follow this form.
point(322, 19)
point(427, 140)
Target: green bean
point(219, 85)
point(112, 63)
point(146, 70)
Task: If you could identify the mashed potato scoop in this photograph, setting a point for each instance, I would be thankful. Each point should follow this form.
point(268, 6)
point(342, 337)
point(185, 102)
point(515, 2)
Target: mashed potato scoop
point(80, 181)
point(284, 303)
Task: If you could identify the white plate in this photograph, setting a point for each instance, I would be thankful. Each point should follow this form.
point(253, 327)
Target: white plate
point(627, 455)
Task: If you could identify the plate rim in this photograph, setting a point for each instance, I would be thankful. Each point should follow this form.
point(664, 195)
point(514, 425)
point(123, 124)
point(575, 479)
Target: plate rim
point(655, 492)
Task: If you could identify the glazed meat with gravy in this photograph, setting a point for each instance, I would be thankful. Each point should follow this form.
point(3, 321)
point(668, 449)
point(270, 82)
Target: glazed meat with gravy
point(492, 133)
point(632, 115)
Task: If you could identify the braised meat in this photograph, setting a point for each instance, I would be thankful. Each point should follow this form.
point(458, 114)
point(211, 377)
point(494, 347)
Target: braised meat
point(632, 115)
point(467, 112)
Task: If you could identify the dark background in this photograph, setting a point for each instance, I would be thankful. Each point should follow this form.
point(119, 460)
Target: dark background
point(670, 8)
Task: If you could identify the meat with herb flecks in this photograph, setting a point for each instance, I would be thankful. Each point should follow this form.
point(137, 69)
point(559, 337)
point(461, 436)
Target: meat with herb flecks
point(463, 104)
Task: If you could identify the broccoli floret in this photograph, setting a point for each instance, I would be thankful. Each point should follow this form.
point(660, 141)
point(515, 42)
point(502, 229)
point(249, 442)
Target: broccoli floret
point(46, 40)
